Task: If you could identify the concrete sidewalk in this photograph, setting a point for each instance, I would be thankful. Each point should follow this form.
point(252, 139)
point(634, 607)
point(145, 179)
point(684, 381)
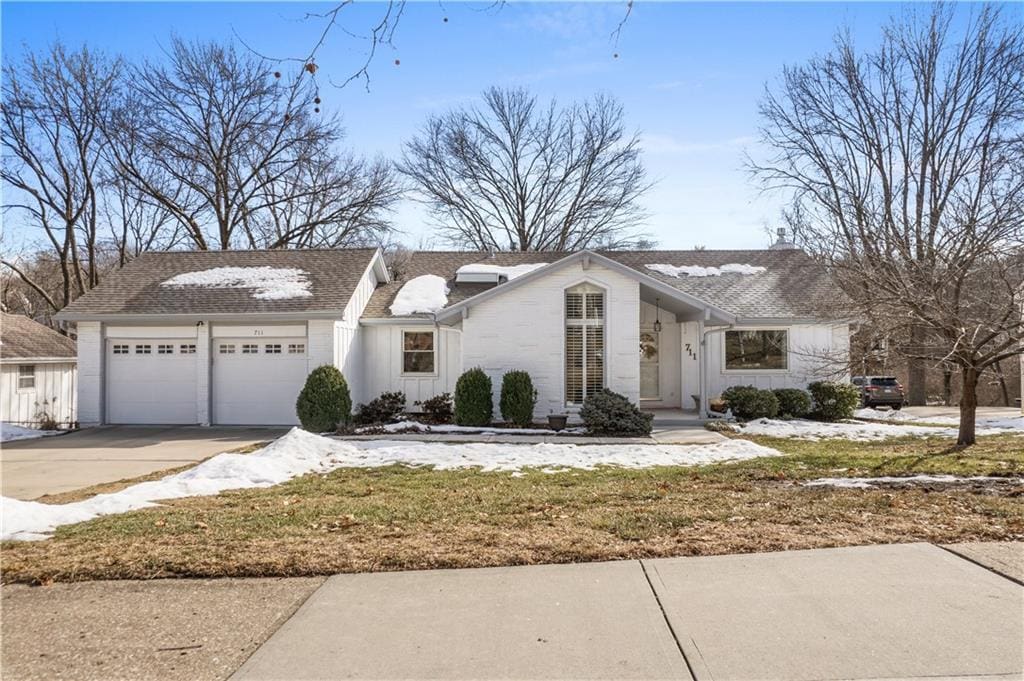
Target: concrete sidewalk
point(874, 612)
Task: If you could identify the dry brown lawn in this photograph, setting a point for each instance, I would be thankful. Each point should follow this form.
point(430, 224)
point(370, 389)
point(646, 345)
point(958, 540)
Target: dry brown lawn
point(398, 518)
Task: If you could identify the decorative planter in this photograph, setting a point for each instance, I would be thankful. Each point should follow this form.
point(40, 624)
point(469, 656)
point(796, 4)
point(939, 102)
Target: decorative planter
point(557, 421)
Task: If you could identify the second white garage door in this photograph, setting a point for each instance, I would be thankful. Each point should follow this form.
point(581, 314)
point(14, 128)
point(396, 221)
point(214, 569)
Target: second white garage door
point(256, 381)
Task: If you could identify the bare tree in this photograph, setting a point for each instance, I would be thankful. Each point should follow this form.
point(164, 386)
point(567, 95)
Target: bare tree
point(522, 176)
point(332, 201)
point(905, 168)
point(217, 138)
point(53, 159)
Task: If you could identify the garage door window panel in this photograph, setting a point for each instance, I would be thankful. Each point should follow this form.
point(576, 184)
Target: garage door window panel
point(250, 348)
point(143, 349)
point(272, 348)
point(227, 349)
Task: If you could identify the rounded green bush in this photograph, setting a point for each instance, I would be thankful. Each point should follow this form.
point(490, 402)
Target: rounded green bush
point(834, 401)
point(793, 402)
point(609, 413)
point(474, 402)
point(748, 402)
point(324, 403)
point(518, 398)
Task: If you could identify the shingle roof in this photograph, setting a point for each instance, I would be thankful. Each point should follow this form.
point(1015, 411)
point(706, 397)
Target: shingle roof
point(22, 338)
point(137, 289)
point(792, 287)
point(793, 284)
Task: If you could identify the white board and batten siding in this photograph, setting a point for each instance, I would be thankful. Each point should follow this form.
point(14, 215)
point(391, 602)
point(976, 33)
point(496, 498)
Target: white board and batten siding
point(382, 359)
point(53, 393)
point(524, 328)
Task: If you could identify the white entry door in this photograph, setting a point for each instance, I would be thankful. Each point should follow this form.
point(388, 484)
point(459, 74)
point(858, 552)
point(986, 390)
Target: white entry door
point(151, 381)
point(257, 380)
point(650, 380)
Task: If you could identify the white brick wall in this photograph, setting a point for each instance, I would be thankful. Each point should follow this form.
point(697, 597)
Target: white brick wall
point(524, 329)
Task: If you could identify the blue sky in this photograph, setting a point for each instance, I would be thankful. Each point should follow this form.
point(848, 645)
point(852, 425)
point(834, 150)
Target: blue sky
point(689, 75)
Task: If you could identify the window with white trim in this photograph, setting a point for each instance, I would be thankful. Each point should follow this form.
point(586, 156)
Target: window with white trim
point(120, 349)
point(187, 349)
point(250, 348)
point(756, 350)
point(144, 349)
point(418, 352)
point(584, 342)
point(164, 349)
point(272, 348)
point(26, 376)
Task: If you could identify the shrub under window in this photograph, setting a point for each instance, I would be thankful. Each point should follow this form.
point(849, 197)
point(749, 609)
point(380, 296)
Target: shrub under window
point(748, 402)
point(383, 409)
point(756, 350)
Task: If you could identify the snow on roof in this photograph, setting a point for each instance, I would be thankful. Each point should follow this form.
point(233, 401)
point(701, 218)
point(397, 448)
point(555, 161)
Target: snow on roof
point(698, 271)
point(269, 283)
point(425, 293)
point(507, 271)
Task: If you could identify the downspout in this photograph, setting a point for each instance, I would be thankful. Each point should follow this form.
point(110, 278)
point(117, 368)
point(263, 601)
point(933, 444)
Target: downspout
point(704, 333)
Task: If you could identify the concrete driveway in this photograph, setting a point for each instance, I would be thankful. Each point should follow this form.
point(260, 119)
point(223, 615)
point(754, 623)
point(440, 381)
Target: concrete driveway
point(51, 465)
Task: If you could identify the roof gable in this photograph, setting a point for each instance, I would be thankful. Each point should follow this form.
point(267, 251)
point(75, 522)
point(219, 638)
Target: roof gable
point(24, 338)
point(228, 283)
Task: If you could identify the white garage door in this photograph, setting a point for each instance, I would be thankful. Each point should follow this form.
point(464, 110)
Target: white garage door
point(256, 381)
point(151, 380)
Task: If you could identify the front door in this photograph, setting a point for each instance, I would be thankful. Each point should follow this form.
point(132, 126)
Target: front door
point(650, 387)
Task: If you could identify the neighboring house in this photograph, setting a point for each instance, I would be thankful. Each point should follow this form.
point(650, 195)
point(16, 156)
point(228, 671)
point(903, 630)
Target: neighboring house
point(228, 337)
point(37, 373)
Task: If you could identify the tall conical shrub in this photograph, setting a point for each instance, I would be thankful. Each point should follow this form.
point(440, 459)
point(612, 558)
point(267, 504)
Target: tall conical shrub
point(324, 403)
point(518, 398)
point(474, 404)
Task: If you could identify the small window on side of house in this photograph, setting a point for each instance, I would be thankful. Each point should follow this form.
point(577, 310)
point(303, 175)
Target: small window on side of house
point(26, 376)
point(418, 352)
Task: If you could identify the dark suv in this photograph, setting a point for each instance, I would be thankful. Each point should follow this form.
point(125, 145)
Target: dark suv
point(880, 391)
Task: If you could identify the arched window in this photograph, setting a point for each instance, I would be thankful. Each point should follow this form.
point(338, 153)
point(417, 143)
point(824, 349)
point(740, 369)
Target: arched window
point(584, 342)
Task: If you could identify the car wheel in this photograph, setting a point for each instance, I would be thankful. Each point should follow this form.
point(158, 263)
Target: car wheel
point(897, 407)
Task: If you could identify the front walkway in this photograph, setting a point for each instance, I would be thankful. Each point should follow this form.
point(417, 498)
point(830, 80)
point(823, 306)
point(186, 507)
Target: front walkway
point(898, 611)
point(51, 465)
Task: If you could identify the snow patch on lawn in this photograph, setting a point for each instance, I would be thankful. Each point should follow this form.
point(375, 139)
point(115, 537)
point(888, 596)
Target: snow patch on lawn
point(801, 429)
point(268, 283)
point(298, 453)
point(698, 271)
point(870, 483)
point(10, 433)
point(425, 293)
point(508, 271)
point(1007, 422)
point(449, 428)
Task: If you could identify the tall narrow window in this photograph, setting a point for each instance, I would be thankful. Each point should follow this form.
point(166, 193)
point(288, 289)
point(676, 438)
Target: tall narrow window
point(584, 342)
point(26, 376)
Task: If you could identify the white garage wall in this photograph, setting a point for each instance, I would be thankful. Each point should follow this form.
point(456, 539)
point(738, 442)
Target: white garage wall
point(90, 373)
point(54, 385)
point(524, 329)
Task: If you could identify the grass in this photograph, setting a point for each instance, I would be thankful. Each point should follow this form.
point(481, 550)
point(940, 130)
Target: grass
point(398, 518)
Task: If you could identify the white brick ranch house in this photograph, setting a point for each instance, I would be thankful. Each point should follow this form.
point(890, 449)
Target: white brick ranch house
point(229, 337)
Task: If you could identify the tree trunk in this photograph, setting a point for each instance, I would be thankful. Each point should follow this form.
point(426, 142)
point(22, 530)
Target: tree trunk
point(968, 406)
point(1003, 388)
point(947, 386)
point(917, 391)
